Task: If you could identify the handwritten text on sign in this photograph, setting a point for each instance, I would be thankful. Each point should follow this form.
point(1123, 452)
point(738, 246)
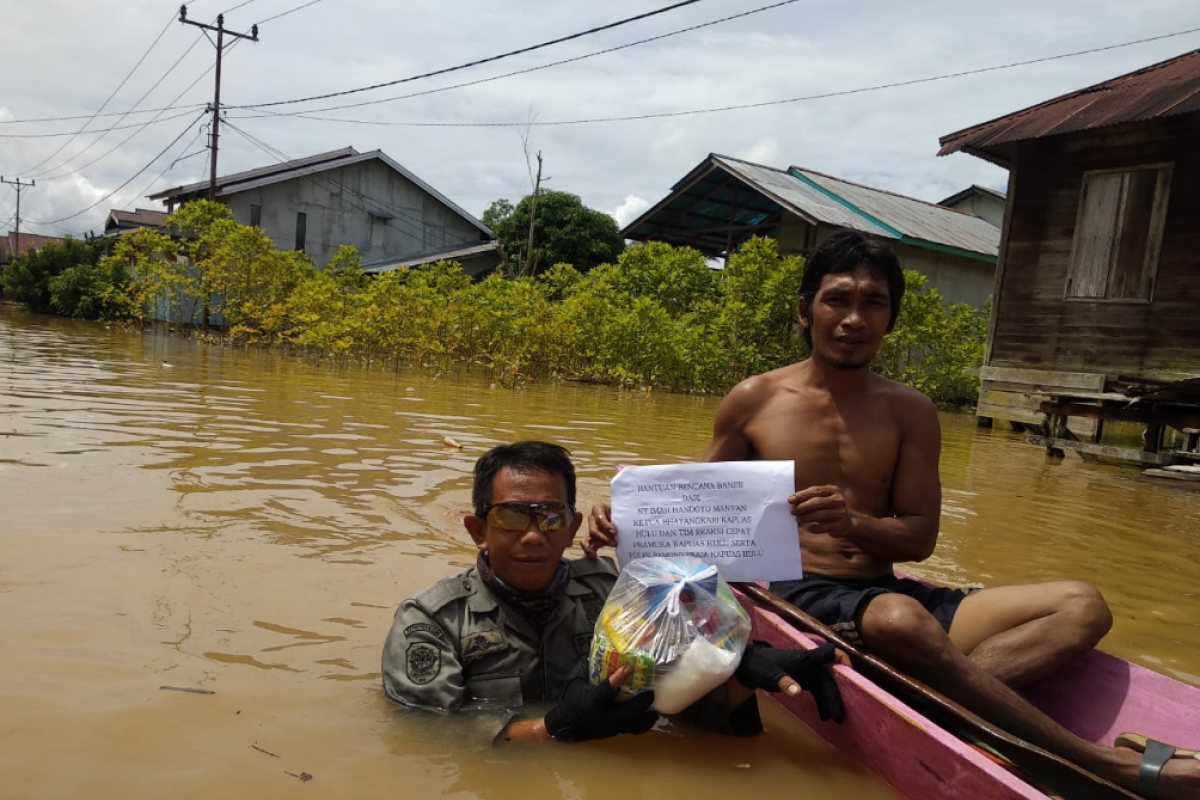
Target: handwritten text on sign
point(733, 514)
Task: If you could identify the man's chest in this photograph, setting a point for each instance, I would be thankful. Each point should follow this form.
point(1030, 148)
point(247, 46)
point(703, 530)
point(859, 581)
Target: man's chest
point(844, 444)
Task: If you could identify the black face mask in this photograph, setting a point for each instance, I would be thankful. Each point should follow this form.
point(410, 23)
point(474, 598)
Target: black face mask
point(536, 607)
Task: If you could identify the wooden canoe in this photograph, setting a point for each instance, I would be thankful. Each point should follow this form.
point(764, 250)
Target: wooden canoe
point(929, 748)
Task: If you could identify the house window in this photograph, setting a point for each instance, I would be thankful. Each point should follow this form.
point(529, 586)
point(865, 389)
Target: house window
point(1118, 234)
point(378, 227)
point(301, 222)
point(256, 216)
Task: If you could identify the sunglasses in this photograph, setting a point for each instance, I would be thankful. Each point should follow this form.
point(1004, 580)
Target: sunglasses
point(517, 516)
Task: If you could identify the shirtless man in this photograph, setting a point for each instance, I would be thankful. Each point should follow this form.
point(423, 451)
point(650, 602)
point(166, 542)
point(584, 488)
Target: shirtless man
point(868, 496)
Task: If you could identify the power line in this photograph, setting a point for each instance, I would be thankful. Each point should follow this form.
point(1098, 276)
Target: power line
point(144, 110)
point(528, 70)
point(126, 183)
point(478, 62)
point(103, 105)
point(239, 5)
point(737, 107)
point(143, 127)
point(416, 227)
point(171, 165)
point(187, 110)
point(285, 13)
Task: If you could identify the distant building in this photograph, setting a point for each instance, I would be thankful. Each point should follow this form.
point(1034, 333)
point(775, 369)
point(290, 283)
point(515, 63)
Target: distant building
point(119, 222)
point(318, 203)
point(15, 244)
point(1098, 282)
point(725, 201)
point(979, 201)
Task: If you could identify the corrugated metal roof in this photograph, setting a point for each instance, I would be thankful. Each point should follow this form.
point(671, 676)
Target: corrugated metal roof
point(303, 167)
point(1165, 89)
point(726, 200)
point(456, 254)
point(795, 195)
point(142, 216)
point(225, 182)
point(912, 218)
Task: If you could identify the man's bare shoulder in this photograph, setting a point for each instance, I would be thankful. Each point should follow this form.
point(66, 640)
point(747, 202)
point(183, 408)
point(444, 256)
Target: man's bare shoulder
point(909, 405)
point(756, 390)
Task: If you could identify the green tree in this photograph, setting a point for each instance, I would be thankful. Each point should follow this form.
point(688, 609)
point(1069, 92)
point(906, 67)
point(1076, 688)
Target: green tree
point(496, 213)
point(202, 226)
point(565, 231)
point(27, 279)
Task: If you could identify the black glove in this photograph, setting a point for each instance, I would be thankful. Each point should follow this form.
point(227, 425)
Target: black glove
point(762, 666)
point(592, 712)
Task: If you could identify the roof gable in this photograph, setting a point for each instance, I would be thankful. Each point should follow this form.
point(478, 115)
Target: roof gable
point(305, 168)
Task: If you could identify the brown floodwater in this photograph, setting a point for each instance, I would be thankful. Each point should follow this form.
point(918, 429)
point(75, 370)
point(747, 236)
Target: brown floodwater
point(177, 514)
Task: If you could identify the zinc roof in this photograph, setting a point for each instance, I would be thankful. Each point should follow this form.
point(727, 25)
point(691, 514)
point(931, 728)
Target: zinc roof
point(724, 201)
point(912, 218)
point(1160, 90)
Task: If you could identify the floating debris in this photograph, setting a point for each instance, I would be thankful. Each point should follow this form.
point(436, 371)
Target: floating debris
point(304, 777)
point(186, 689)
point(259, 749)
point(446, 440)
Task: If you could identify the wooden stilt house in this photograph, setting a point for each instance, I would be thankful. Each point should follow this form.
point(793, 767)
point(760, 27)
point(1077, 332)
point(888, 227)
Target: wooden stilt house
point(1096, 308)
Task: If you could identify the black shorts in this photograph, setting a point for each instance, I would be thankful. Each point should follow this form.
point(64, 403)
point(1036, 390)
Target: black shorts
point(837, 603)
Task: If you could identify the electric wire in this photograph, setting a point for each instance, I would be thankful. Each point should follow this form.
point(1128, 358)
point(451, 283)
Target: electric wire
point(104, 105)
point(528, 70)
point(123, 185)
point(239, 5)
point(478, 62)
point(737, 107)
point(96, 141)
point(172, 164)
point(132, 111)
point(285, 13)
point(416, 227)
point(186, 111)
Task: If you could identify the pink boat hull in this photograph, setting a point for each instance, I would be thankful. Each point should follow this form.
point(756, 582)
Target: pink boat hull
point(1097, 697)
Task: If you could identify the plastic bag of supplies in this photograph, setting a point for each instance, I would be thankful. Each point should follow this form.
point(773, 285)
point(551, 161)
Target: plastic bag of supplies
point(677, 623)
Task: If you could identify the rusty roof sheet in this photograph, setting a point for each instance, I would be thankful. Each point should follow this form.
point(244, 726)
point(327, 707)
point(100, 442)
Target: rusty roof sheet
point(798, 197)
point(907, 217)
point(142, 216)
point(1164, 89)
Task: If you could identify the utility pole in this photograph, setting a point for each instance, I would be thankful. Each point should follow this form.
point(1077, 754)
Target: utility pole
point(17, 183)
point(216, 104)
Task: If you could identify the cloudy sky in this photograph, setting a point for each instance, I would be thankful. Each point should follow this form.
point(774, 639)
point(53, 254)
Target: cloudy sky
point(65, 58)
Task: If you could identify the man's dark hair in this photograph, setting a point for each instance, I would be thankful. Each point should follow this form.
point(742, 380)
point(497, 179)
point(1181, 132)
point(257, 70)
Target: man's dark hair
point(521, 457)
point(844, 251)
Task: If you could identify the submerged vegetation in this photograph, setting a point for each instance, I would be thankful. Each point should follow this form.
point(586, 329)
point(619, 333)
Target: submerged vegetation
point(658, 317)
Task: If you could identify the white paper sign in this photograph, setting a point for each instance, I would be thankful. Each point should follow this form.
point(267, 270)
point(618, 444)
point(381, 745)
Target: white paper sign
point(733, 514)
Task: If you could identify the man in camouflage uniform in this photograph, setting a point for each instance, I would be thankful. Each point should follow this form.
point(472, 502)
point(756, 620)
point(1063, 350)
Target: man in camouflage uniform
point(515, 630)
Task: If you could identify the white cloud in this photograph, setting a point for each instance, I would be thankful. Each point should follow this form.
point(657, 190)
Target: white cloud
point(630, 209)
point(764, 151)
point(886, 137)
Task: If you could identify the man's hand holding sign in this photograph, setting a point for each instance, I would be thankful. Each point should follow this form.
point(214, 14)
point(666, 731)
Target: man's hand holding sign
point(736, 516)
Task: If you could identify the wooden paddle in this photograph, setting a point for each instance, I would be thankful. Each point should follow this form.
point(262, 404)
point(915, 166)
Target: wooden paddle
point(1059, 774)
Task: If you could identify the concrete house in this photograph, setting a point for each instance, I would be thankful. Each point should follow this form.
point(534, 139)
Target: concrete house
point(1098, 284)
point(979, 201)
point(725, 201)
point(318, 203)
